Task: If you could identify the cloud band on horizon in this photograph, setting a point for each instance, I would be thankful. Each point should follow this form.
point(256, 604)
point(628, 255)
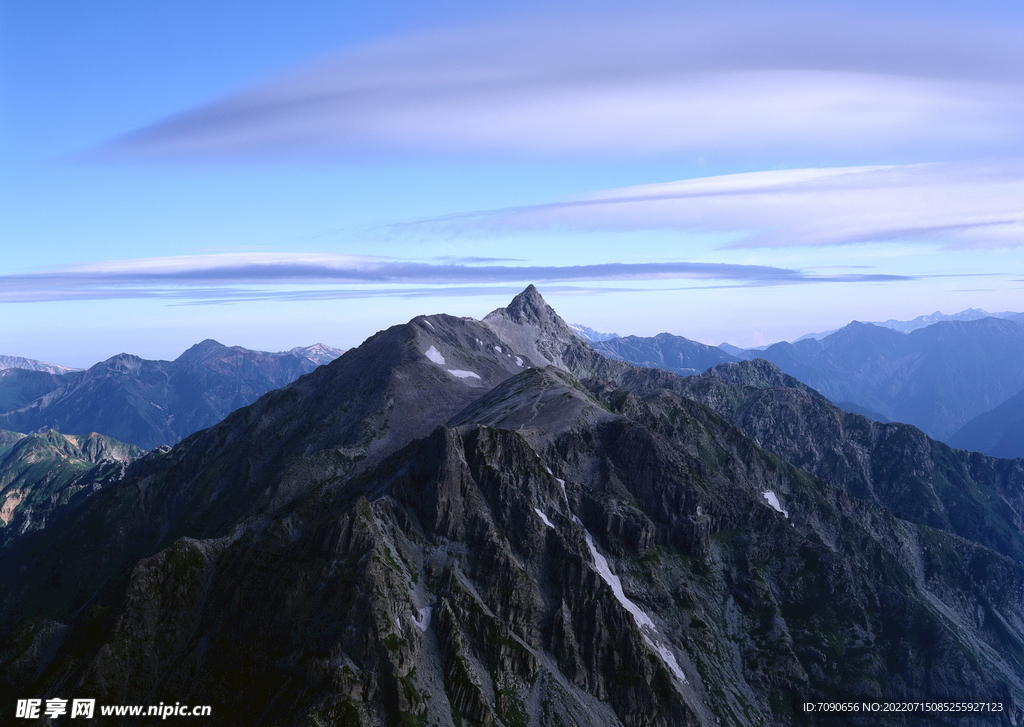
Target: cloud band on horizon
point(222, 278)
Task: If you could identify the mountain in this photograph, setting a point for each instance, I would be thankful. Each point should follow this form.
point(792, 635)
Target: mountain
point(319, 353)
point(591, 335)
point(998, 432)
point(665, 351)
point(937, 378)
point(151, 403)
point(40, 473)
point(29, 364)
point(489, 523)
point(971, 314)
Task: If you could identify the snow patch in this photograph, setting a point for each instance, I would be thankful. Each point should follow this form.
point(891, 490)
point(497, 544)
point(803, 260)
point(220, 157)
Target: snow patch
point(424, 620)
point(540, 513)
point(498, 349)
point(561, 482)
point(669, 658)
point(643, 621)
point(605, 571)
point(434, 355)
point(429, 324)
point(519, 361)
point(773, 500)
point(460, 374)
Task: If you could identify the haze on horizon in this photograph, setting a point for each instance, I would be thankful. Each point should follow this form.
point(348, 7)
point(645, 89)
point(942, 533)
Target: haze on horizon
point(273, 176)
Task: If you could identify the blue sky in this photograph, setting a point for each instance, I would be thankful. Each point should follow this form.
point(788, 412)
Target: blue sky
point(275, 174)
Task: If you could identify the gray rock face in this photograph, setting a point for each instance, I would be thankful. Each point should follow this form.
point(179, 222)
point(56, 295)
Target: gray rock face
point(391, 540)
point(530, 326)
point(151, 403)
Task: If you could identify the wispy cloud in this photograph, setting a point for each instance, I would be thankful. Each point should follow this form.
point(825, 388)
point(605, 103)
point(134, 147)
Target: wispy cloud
point(733, 83)
point(293, 276)
point(951, 204)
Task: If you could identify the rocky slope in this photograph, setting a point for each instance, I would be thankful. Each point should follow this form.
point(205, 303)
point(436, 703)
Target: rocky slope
point(151, 403)
point(488, 523)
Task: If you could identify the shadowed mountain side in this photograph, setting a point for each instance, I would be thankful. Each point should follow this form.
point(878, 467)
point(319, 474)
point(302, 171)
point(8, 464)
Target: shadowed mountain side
point(328, 424)
point(151, 403)
point(20, 387)
point(999, 432)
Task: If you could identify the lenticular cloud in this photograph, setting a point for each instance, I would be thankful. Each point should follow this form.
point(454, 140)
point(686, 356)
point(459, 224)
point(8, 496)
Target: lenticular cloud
point(794, 85)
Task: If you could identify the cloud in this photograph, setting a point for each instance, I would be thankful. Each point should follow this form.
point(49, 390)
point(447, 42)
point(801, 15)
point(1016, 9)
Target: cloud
point(645, 85)
point(958, 205)
point(294, 276)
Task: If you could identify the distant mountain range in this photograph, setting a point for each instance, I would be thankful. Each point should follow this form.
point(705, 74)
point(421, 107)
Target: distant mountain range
point(30, 364)
point(971, 314)
point(664, 351)
point(150, 403)
point(487, 522)
point(938, 377)
point(590, 334)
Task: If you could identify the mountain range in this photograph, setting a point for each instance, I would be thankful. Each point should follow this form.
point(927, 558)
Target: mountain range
point(939, 377)
point(467, 522)
point(150, 403)
point(30, 364)
point(664, 351)
point(970, 314)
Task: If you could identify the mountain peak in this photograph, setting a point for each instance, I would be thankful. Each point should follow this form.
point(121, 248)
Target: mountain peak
point(530, 307)
point(531, 326)
point(200, 350)
point(318, 353)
